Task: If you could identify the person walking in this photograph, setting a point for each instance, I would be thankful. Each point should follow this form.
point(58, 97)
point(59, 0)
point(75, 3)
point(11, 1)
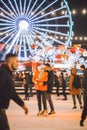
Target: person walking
point(75, 92)
point(84, 86)
point(39, 78)
point(49, 70)
point(7, 90)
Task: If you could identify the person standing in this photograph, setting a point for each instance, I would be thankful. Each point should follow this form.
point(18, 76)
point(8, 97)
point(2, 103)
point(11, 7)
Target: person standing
point(49, 70)
point(56, 84)
point(75, 92)
point(63, 84)
point(31, 84)
point(26, 86)
point(39, 78)
point(7, 90)
point(84, 86)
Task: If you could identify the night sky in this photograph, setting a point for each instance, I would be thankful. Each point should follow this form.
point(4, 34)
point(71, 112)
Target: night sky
point(80, 21)
point(77, 3)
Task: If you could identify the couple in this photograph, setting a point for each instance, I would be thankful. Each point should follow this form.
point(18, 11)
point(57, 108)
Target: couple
point(43, 81)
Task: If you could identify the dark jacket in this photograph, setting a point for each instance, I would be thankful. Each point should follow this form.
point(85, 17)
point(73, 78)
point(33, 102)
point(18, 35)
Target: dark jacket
point(63, 83)
point(7, 90)
point(56, 82)
point(84, 80)
point(50, 81)
point(84, 85)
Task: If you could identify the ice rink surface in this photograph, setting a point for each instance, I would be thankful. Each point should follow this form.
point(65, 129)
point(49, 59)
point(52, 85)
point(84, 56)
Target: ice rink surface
point(65, 118)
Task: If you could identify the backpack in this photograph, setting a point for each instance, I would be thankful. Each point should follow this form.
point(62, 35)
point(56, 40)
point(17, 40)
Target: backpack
point(76, 82)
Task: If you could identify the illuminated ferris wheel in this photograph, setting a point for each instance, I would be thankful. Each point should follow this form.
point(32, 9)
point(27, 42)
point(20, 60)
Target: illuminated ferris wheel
point(26, 23)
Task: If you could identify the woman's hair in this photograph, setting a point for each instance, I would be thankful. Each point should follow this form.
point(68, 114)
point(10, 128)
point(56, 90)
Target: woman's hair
point(82, 66)
point(47, 64)
point(62, 74)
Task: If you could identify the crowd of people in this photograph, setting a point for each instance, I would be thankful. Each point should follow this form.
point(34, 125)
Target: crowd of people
point(43, 79)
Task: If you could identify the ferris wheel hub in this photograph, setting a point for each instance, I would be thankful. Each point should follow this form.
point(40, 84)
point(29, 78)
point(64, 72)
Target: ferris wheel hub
point(23, 25)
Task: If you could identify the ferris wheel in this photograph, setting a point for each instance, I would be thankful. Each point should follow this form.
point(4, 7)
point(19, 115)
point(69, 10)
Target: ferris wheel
point(25, 23)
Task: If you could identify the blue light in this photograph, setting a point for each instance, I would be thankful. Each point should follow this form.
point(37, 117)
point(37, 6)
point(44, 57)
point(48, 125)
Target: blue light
point(22, 20)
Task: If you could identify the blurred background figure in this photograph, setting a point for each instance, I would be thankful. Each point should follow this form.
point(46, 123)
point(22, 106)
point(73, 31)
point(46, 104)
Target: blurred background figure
point(62, 83)
point(56, 84)
point(31, 84)
point(26, 86)
point(75, 91)
point(84, 86)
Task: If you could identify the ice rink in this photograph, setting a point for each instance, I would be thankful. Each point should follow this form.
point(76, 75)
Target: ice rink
point(65, 118)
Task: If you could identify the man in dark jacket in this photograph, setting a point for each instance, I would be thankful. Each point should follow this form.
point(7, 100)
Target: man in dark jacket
point(84, 86)
point(48, 68)
point(7, 90)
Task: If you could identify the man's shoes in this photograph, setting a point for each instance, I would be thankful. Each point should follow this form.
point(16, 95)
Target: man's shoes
point(58, 98)
point(45, 113)
point(51, 113)
point(81, 123)
point(64, 99)
point(74, 107)
point(39, 113)
point(31, 95)
point(28, 98)
point(25, 99)
point(81, 107)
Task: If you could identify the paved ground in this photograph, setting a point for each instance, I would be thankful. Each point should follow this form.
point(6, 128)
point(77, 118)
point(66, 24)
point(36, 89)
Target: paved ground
point(65, 118)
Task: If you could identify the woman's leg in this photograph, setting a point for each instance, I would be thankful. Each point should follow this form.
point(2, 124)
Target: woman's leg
point(74, 101)
point(39, 100)
point(64, 93)
point(79, 99)
point(50, 102)
point(44, 96)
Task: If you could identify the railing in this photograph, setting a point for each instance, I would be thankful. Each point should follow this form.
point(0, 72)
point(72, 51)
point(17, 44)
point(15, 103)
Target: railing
point(20, 89)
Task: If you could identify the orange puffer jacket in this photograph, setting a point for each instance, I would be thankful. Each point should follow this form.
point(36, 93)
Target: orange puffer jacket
point(38, 81)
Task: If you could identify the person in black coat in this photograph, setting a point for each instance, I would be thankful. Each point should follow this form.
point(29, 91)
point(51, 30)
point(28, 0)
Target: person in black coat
point(26, 86)
point(31, 84)
point(7, 90)
point(48, 69)
point(63, 84)
point(84, 86)
point(56, 84)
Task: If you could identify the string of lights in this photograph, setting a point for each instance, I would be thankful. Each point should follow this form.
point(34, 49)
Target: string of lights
point(79, 11)
point(74, 38)
point(73, 12)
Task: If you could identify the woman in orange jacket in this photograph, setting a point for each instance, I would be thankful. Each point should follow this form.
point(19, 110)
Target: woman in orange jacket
point(40, 77)
point(75, 92)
